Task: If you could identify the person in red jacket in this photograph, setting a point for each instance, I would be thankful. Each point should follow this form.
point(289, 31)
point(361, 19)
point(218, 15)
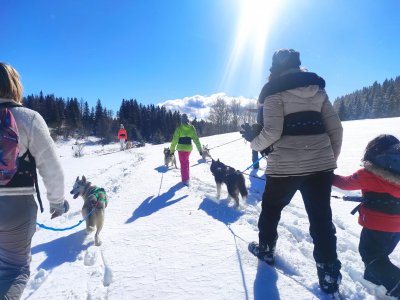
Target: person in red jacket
point(379, 213)
point(122, 136)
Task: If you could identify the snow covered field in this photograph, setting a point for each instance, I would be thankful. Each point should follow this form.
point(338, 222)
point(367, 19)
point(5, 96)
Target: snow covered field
point(162, 240)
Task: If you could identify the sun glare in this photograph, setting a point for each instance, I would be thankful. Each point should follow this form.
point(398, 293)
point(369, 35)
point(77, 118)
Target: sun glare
point(255, 20)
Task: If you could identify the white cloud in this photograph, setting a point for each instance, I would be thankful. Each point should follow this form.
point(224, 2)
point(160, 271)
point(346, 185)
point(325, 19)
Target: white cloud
point(199, 106)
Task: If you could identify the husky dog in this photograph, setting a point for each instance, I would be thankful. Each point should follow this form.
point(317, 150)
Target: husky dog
point(93, 197)
point(206, 152)
point(233, 179)
point(169, 158)
point(128, 145)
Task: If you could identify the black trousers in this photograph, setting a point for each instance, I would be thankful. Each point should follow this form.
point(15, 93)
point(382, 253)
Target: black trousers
point(316, 192)
point(375, 248)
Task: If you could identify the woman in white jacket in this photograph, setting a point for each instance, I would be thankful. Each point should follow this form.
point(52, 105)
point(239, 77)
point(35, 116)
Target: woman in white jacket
point(18, 209)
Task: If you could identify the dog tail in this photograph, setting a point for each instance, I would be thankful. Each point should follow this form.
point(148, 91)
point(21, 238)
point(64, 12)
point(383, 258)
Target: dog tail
point(242, 187)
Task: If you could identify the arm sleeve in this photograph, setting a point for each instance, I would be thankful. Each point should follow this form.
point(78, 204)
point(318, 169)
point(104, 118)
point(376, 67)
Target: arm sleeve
point(48, 164)
point(333, 126)
point(273, 117)
point(175, 139)
point(351, 182)
point(196, 139)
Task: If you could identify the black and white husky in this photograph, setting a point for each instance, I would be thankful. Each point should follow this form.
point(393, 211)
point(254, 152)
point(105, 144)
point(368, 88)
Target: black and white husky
point(93, 198)
point(169, 158)
point(233, 179)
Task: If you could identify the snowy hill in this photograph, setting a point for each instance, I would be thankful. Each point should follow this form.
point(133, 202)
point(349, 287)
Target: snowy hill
point(162, 240)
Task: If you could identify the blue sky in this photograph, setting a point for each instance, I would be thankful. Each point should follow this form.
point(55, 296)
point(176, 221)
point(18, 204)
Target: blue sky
point(157, 50)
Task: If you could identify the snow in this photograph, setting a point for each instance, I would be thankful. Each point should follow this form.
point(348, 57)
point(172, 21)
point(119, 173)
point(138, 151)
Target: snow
point(162, 240)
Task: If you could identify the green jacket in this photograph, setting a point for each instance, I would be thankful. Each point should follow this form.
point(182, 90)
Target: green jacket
point(183, 137)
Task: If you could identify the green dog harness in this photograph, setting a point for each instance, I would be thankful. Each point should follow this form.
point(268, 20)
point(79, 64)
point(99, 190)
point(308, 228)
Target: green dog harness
point(100, 195)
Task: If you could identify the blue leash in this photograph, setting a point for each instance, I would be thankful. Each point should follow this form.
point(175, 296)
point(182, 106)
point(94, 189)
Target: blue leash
point(66, 228)
point(253, 164)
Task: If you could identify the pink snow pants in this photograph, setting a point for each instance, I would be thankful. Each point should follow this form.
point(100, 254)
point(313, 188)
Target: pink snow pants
point(184, 160)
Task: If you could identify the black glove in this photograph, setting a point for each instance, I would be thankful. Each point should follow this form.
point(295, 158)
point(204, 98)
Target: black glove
point(249, 133)
point(201, 153)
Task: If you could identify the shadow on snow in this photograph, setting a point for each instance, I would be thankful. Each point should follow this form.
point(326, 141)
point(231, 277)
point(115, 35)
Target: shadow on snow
point(220, 210)
point(151, 205)
point(71, 245)
point(161, 169)
point(265, 283)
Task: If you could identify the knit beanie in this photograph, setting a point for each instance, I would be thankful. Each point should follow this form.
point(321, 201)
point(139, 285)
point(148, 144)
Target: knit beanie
point(283, 60)
point(184, 119)
point(384, 152)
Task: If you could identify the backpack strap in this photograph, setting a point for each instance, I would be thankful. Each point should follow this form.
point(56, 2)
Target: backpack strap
point(35, 178)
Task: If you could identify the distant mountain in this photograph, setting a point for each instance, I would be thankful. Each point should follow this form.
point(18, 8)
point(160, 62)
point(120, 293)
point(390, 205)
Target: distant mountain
point(198, 106)
point(375, 101)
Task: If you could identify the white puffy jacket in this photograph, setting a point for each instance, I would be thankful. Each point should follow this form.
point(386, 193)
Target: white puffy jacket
point(301, 154)
point(35, 136)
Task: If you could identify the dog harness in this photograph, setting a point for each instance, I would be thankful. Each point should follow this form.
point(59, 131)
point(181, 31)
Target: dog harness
point(100, 195)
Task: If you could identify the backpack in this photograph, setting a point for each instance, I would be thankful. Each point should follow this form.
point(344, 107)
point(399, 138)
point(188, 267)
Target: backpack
point(10, 164)
point(9, 147)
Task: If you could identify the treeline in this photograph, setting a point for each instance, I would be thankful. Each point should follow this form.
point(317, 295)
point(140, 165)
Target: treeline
point(376, 101)
point(67, 117)
point(145, 123)
point(152, 123)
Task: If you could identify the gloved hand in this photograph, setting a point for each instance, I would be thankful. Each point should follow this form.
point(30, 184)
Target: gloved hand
point(250, 132)
point(201, 153)
point(58, 209)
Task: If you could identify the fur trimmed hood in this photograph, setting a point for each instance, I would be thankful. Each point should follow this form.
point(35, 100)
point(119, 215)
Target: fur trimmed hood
point(289, 82)
point(382, 173)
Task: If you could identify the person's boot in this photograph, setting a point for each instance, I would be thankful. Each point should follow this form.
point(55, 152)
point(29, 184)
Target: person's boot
point(329, 276)
point(382, 272)
point(263, 252)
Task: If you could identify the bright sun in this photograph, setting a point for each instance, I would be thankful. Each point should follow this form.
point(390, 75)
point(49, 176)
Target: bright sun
point(255, 21)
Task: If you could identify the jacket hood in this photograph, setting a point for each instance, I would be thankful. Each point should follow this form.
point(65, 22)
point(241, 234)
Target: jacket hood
point(382, 173)
point(305, 91)
point(290, 81)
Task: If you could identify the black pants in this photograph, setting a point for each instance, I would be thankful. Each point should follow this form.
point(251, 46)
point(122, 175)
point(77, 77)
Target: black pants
point(375, 248)
point(316, 192)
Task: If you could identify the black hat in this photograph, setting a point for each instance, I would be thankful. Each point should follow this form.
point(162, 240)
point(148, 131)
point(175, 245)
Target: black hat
point(284, 59)
point(184, 119)
point(384, 152)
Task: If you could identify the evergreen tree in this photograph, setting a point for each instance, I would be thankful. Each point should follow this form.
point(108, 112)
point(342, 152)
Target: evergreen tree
point(375, 101)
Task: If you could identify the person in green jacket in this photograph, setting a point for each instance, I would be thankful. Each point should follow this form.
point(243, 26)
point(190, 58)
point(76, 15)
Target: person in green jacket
point(182, 141)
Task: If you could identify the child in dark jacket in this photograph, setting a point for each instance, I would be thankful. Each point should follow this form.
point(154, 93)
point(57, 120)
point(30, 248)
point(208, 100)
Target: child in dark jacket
point(379, 213)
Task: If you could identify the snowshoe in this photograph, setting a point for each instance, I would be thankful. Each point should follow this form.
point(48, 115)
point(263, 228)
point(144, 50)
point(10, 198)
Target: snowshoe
point(329, 277)
point(263, 253)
